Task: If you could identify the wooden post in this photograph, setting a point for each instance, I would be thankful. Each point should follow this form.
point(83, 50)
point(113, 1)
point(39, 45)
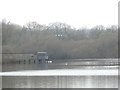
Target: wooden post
point(29, 61)
point(24, 61)
point(19, 61)
point(34, 61)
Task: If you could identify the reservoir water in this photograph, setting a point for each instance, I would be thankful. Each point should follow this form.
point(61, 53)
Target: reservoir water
point(61, 81)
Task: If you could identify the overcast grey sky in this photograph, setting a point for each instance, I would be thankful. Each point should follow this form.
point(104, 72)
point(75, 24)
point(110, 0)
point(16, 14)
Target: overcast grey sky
point(77, 13)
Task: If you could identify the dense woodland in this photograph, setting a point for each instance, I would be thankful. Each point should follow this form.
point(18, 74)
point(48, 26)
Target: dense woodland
point(60, 40)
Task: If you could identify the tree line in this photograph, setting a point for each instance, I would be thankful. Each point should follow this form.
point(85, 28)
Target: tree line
point(60, 40)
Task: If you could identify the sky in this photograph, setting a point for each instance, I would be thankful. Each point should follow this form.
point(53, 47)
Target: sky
point(77, 13)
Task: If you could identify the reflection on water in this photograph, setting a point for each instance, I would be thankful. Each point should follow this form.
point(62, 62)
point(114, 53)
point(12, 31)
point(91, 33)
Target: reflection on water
point(61, 64)
point(60, 82)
